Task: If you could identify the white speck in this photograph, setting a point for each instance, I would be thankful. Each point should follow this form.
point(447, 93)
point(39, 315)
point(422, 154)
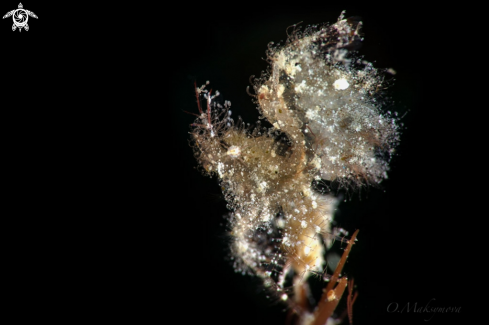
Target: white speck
point(280, 223)
point(284, 297)
point(310, 114)
point(341, 84)
point(307, 250)
point(285, 241)
point(234, 151)
point(303, 224)
point(263, 186)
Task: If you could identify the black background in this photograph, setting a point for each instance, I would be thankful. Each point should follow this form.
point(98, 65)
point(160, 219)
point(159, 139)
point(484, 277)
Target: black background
point(104, 210)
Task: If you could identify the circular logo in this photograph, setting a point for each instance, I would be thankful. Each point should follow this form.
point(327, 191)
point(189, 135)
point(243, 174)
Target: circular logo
point(20, 17)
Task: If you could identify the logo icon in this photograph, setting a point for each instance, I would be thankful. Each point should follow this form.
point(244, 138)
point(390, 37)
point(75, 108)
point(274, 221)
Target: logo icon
point(20, 17)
